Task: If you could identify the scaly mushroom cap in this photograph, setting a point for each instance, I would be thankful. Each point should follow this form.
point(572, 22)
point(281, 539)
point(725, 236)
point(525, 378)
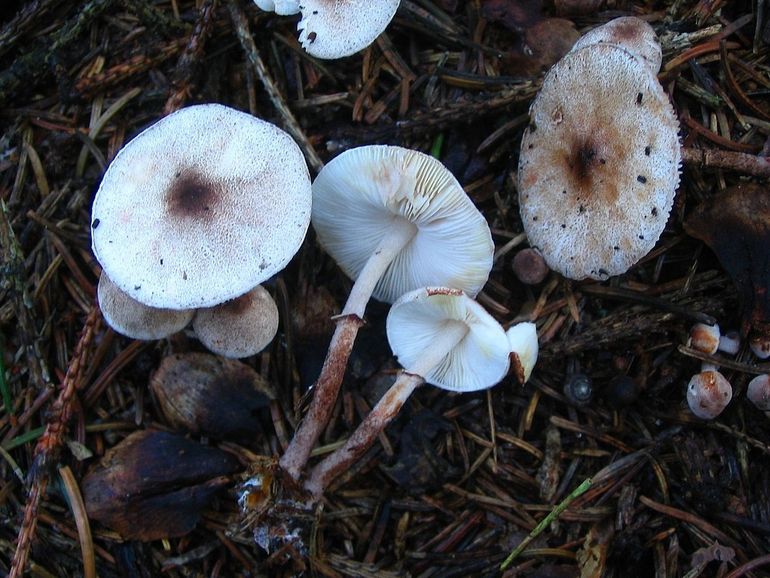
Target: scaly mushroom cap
point(201, 207)
point(361, 192)
point(478, 361)
point(135, 320)
point(628, 32)
point(240, 327)
point(708, 394)
point(599, 163)
point(338, 28)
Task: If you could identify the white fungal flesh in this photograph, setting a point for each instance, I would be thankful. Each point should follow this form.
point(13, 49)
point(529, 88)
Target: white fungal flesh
point(360, 193)
point(338, 28)
point(419, 319)
point(133, 319)
point(599, 163)
point(200, 208)
point(281, 7)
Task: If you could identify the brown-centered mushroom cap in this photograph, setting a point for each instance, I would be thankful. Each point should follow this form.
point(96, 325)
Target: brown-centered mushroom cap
point(135, 320)
point(599, 163)
point(708, 394)
point(337, 28)
point(631, 33)
point(200, 208)
point(240, 327)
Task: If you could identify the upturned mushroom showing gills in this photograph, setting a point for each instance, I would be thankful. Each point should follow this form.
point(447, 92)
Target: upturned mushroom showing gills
point(200, 208)
point(736, 227)
point(599, 163)
point(394, 219)
point(442, 337)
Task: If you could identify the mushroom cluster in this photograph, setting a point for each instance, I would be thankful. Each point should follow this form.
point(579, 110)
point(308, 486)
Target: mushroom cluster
point(599, 161)
point(192, 215)
point(335, 28)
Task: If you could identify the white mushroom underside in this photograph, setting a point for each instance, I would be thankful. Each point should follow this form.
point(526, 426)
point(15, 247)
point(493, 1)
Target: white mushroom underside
point(599, 163)
point(133, 319)
point(415, 322)
point(241, 212)
point(337, 28)
point(358, 195)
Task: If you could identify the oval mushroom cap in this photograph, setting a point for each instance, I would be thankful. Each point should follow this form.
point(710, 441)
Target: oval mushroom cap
point(337, 28)
point(708, 394)
point(361, 192)
point(240, 327)
point(201, 207)
point(599, 163)
point(478, 361)
point(135, 320)
point(631, 33)
point(758, 392)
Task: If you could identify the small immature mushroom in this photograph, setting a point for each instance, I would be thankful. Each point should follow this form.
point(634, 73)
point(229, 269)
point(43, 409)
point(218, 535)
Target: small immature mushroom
point(599, 163)
point(758, 392)
point(736, 227)
point(239, 327)
point(730, 342)
point(338, 28)
point(201, 207)
point(630, 33)
point(280, 7)
point(133, 319)
point(708, 394)
point(394, 219)
point(442, 337)
point(530, 267)
point(704, 338)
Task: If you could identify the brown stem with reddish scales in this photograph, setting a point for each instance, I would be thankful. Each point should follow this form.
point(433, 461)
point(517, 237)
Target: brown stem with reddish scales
point(328, 385)
point(50, 442)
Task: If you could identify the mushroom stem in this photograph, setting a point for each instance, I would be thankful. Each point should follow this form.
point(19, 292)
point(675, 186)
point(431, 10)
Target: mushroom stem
point(384, 412)
point(328, 384)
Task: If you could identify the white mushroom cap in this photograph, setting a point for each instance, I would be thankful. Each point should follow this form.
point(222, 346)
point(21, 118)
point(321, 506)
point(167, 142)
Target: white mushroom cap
point(704, 338)
point(240, 327)
point(135, 320)
point(282, 7)
point(730, 342)
point(599, 163)
point(360, 193)
point(522, 338)
point(201, 207)
point(419, 318)
point(708, 394)
point(631, 33)
point(758, 392)
point(337, 28)
point(760, 346)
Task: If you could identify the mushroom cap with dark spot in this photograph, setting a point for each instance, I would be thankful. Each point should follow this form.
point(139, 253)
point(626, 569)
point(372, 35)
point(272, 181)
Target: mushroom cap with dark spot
point(708, 394)
point(240, 327)
point(599, 163)
point(338, 28)
point(200, 208)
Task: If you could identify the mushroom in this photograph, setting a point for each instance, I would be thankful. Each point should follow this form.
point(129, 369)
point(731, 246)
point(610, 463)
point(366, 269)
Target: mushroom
point(394, 219)
point(630, 33)
point(135, 320)
point(530, 267)
point(708, 394)
point(280, 7)
point(442, 337)
point(736, 227)
point(338, 28)
point(239, 327)
point(200, 208)
point(730, 342)
point(758, 392)
point(599, 163)
point(704, 338)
